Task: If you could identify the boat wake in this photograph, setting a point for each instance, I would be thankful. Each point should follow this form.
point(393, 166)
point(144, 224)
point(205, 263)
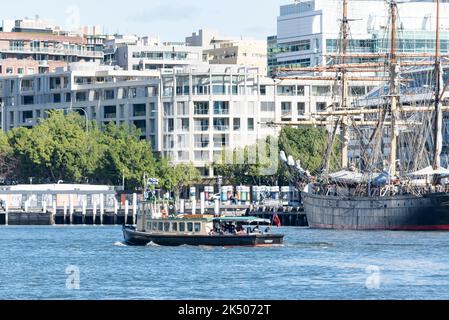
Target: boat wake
point(309, 245)
point(152, 244)
point(120, 244)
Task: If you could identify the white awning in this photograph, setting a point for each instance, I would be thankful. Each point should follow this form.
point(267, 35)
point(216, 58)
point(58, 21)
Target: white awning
point(347, 177)
point(429, 171)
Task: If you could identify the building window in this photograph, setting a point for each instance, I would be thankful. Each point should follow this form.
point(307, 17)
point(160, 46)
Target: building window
point(9, 70)
point(169, 125)
point(27, 116)
point(221, 107)
point(286, 108)
point(20, 71)
point(267, 106)
point(286, 90)
point(109, 94)
point(221, 124)
point(81, 96)
point(263, 90)
point(201, 141)
point(142, 125)
point(184, 125)
point(221, 141)
point(321, 106)
point(301, 108)
point(236, 124)
point(168, 109)
point(57, 98)
point(27, 100)
point(139, 110)
point(357, 91)
point(121, 110)
point(201, 124)
point(201, 108)
point(68, 97)
point(183, 108)
point(250, 124)
point(321, 90)
point(110, 112)
point(201, 156)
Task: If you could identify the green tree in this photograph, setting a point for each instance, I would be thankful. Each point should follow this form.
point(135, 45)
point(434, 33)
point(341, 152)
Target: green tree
point(174, 178)
point(125, 155)
point(308, 144)
point(249, 165)
point(58, 148)
point(8, 163)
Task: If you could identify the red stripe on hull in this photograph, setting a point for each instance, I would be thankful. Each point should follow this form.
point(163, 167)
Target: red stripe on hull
point(395, 228)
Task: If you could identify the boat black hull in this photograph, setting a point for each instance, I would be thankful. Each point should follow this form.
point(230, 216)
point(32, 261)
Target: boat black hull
point(136, 238)
point(409, 213)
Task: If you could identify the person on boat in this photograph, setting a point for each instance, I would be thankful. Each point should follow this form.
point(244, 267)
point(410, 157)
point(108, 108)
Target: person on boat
point(240, 230)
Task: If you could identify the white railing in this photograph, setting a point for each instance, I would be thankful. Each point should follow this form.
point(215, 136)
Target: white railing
point(73, 52)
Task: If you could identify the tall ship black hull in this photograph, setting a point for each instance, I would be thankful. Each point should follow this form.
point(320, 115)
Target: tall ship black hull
point(401, 212)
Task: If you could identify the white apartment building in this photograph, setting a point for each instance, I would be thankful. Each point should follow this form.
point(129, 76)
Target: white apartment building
point(308, 30)
point(187, 114)
point(147, 53)
point(100, 93)
point(251, 53)
point(228, 50)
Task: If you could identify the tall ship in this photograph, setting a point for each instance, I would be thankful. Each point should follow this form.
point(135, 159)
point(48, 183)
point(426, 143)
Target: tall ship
point(398, 182)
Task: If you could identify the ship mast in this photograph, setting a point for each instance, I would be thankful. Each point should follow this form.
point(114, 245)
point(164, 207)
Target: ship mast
point(438, 121)
point(394, 70)
point(344, 84)
point(342, 75)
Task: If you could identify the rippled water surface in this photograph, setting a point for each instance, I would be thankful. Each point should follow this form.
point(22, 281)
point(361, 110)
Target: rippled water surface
point(42, 263)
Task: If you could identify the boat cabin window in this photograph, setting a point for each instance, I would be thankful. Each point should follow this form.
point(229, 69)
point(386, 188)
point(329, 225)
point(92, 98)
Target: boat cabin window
point(154, 226)
point(160, 226)
point(175, 226)
point(197, 227)
point(190, 226)
point(166, 226)
point(182, 226)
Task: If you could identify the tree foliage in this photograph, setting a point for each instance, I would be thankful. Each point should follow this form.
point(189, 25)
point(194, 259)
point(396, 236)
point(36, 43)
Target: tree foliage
point(125, 155)
point(60, 148)
point(175, 177)
point(306, 144)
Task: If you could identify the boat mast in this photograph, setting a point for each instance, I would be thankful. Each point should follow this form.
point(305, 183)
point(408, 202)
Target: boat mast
point(394, 74)
point(438, 121)
point(343, 78)
point(344, 84)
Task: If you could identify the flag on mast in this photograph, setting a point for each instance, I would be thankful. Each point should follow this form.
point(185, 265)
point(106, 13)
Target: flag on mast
point(276, 220)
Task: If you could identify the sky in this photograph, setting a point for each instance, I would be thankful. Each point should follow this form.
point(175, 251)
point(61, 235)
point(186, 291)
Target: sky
point(170, 20)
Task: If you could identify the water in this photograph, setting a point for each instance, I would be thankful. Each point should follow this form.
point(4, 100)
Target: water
point(313, 264)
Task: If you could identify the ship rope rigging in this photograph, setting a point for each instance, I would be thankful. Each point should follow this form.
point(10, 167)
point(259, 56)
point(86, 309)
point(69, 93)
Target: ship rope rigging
point(399, 121)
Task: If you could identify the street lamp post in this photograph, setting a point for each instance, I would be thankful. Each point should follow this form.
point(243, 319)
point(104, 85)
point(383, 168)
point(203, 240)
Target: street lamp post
point(86, 116)
point(2, 106)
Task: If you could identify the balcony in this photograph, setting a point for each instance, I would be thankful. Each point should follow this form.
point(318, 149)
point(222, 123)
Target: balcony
point(54, 51)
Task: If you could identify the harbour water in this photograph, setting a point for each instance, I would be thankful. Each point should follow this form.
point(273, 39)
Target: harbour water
point(93, 263)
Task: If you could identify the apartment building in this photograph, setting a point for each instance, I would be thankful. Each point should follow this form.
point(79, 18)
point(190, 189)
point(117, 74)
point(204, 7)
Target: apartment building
point(148, 53)
point(188, 114)
point(28, 47)
point(228, 50)
point(308, 30)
